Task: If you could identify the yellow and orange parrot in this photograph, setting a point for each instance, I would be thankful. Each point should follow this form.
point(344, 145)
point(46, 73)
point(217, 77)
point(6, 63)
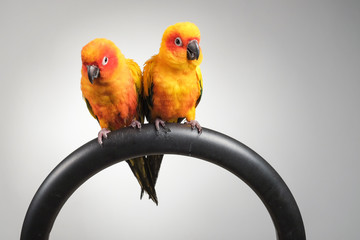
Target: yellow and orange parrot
point(112, 88)
point(172, 81)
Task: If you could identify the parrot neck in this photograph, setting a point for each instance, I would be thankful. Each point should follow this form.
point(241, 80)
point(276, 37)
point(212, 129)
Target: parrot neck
point(168, 62)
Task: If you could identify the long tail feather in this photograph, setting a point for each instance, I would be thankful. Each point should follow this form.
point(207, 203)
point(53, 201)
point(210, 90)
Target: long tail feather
point(154, 163)
point(142, 171)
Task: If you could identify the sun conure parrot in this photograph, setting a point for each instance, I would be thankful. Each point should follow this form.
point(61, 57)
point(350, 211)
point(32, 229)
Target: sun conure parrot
point(112, 88)
point(172, 81)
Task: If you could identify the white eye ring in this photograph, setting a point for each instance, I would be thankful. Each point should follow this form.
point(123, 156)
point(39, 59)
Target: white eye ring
point(178, 41)
point(105, 60)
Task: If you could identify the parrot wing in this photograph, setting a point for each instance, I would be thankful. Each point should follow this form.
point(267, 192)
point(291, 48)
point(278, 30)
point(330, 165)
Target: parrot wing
point(135, 72)
point(148, 87)
point(90, 109)
point(199, 76)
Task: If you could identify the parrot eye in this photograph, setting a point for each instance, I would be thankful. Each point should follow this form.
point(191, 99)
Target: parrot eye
point(178, 41)
point(105, 61)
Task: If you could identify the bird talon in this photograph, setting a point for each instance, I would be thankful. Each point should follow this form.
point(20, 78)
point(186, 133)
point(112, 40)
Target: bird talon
point(135, 124)
point(159, 122)
point(193, 124)
point(102, 134)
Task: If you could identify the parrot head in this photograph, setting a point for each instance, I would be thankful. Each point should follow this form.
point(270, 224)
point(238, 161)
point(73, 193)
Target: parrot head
point(100, 59)
point(180, 46)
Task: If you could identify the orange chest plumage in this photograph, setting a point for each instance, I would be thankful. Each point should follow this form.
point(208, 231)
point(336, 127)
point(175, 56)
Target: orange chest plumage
point(113, 104)
point(174, 95)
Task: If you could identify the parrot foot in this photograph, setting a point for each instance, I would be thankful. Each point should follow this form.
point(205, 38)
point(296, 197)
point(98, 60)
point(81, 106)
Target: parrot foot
point(102, 134)
point(135, 124)
point(159, 122)
point(194, 124)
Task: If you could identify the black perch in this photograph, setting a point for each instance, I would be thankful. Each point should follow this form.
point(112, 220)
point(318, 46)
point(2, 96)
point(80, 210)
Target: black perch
point(127, 143)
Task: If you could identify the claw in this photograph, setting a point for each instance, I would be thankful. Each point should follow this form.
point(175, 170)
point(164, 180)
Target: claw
point(135, 124)
point(158, 121)
point(194, 124)
point(102, 134)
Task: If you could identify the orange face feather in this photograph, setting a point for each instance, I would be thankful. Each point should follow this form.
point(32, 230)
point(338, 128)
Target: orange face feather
point(104, 54)
point(175, 40)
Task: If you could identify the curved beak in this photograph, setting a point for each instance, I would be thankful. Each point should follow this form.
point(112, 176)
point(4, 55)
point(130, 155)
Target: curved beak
point(93, 72)
point(193, 50)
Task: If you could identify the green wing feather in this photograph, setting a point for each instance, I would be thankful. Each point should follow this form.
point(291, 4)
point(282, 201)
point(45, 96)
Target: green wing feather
point(148, 87)
point(90, 109)
point(199, 76)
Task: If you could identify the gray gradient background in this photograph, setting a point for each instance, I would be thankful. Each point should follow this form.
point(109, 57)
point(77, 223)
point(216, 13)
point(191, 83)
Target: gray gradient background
point(280, 76)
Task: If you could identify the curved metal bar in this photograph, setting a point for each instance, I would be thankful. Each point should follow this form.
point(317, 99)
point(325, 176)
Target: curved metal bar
point(126, 143)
